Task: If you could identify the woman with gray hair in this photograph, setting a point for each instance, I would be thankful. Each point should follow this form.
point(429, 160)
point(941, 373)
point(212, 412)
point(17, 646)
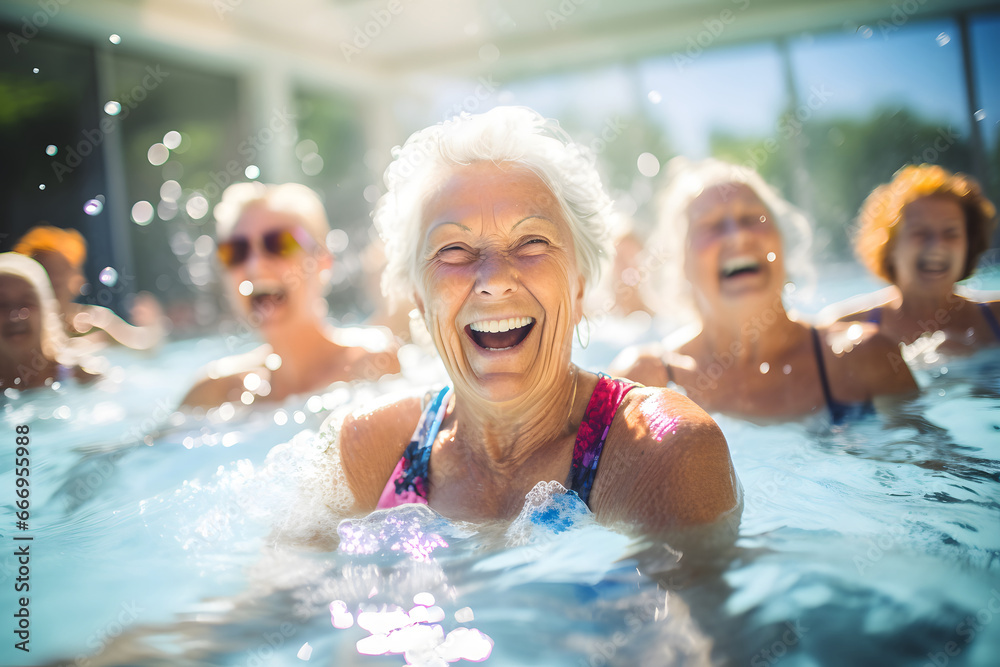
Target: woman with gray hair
point(496, 225)
point(723, 232)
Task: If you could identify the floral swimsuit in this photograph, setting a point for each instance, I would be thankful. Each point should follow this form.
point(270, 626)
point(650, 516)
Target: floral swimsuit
point(408, 483)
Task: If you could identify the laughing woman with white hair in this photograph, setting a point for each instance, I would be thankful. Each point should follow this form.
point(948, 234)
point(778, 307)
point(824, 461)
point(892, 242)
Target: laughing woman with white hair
point(723, 239)
point(496, 225)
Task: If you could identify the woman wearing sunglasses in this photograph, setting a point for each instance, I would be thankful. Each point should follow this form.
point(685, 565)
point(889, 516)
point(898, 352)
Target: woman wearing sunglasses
point(272, 245)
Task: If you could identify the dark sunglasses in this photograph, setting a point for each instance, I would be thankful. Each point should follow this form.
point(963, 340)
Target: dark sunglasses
point(280, 243)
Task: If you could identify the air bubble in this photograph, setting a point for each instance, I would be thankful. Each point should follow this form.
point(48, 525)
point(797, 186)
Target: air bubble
point(108, 276)
point(93, 206)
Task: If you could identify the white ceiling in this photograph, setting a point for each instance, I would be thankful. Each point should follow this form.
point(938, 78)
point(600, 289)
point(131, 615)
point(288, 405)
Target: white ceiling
point(409, 40)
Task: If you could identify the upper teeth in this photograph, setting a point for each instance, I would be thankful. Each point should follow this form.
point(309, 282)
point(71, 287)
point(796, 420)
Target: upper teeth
point(738, 264)
point(497, 326)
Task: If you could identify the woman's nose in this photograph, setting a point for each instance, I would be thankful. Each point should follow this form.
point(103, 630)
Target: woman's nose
point(496, 276)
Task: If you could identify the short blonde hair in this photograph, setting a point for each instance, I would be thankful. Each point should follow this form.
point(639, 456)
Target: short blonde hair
point(292, 198)
point(516, 135)
point(882, 211)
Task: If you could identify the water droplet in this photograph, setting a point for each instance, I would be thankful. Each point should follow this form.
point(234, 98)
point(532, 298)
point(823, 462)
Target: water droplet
point(172, 139)
point(167, 210)
point(765, 367)
point(655, 97)
point(648, 165)
point(51, 150)
point(112, 108)
point(170, 191)
point(142, 212)
point(252, 171)
point(865, 32)
point(942, 39)
point(305, 147)
point(771, 256)
point(196, 207)
point(35, 70)
point(108, 276)
point(93, 206)
point(41, 186)
point(980, 114)
point(312, 164)
point(115, 39)
point(251, 382)
point(305, 652)
point(157, 154)
point(337, 241)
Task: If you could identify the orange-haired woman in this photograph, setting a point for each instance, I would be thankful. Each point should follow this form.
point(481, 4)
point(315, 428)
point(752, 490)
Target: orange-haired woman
point(923, 232)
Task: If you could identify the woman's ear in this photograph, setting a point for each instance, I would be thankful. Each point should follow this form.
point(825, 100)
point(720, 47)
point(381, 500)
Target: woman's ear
point(578, 300)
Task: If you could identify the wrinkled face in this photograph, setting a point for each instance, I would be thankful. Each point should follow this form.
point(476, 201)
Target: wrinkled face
point(497, 281)
point(276, 281)
point(734, 251)
point(930, 247)
point(20, 319)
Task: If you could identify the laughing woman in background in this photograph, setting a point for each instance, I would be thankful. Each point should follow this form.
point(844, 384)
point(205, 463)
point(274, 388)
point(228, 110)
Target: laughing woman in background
point(273, 249)
point(923, 232)
point(723, 234)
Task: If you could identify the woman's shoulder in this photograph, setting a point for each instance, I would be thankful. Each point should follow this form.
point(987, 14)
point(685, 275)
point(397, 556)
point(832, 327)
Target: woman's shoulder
point(864, 355)
point(222, 380)
point(669, 463)
point(371, 441)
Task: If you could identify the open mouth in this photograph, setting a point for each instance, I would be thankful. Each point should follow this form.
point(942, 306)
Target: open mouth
point(933, 266)
point(500, 334)
point(739, 266)
point(12, 329)
point(266, 299)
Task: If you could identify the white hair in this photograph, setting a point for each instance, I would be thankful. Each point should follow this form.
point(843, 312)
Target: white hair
point(517, 135)
point(686, 180)
point(293, 198)
point(54, 339)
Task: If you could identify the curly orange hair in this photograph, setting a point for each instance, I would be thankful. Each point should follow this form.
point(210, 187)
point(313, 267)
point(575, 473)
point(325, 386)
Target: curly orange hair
point(45, 238)
point(882, 211)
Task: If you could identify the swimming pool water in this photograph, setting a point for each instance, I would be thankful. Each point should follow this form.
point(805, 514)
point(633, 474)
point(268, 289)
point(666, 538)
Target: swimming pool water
point(877, 542)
